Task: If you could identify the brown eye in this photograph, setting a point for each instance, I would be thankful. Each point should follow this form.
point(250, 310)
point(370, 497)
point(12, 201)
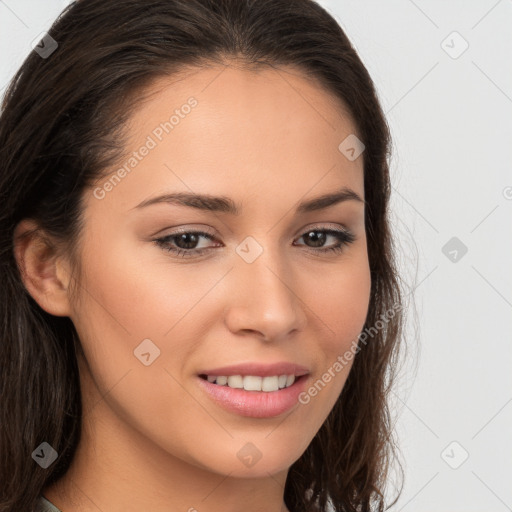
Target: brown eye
point(344, 238)
point(184, 243)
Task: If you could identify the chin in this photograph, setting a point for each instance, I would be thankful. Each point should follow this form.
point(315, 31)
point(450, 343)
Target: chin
point(249, 463)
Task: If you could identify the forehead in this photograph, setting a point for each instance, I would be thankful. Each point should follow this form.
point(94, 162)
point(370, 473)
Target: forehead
point(253, 98)
point(226, 129)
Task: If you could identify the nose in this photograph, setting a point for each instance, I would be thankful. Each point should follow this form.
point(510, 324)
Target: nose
point(262, 298)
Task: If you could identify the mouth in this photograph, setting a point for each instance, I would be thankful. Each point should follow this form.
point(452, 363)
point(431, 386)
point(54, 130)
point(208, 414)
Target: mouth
point(254, 396)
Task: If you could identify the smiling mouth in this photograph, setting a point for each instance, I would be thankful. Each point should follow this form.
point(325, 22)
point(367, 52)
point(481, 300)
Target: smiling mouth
point(253, 382)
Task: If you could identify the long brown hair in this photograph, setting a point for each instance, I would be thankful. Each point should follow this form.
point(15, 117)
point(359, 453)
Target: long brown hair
point(62, 125)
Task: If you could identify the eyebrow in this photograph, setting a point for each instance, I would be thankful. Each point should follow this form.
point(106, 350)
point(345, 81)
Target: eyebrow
point(224, 204)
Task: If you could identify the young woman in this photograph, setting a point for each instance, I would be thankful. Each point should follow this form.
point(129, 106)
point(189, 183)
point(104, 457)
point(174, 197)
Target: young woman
point(200, 307)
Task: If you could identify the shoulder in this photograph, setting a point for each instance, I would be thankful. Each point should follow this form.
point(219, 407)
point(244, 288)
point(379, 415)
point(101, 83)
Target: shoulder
point(43, 505)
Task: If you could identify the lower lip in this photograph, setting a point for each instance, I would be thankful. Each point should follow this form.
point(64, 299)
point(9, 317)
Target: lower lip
point(255, 404)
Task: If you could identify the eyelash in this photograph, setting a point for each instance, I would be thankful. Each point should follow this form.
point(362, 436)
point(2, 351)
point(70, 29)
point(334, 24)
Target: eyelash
point(345, 237)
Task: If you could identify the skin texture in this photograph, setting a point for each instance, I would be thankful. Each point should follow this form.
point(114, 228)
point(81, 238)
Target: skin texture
point(152, 439)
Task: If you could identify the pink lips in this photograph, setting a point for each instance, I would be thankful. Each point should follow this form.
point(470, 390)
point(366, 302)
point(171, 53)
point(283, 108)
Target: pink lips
point(255, 404)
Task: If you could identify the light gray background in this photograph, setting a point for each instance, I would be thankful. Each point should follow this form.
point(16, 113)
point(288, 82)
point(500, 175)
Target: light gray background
point(451, 121)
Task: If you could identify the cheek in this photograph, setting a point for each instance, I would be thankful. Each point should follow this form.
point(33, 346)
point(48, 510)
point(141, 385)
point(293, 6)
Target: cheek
point(134, 292)
point(340, 305)
point(341, 299)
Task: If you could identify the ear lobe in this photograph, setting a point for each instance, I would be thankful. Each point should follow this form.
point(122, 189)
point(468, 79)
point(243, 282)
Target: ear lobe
point(41, 268)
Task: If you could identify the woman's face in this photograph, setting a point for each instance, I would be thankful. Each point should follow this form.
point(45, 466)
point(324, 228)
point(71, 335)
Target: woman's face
point(263, 291)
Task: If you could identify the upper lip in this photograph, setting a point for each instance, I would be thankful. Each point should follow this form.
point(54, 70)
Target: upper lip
point(258, 369)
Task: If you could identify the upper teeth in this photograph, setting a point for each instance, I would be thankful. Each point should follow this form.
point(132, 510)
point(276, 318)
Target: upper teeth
point(254, 383)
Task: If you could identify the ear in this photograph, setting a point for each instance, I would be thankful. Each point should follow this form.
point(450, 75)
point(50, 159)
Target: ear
point(45, 275)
